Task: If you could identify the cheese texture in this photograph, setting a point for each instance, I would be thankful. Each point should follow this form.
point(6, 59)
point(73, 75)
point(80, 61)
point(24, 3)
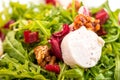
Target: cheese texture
point(82, 47)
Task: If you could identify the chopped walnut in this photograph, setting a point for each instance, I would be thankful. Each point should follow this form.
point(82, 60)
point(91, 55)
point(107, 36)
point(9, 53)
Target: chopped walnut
point(53, 59)
point(48, 59)
point(43, 56)
point(87, 21)
point(43, 63)
point(41, 52)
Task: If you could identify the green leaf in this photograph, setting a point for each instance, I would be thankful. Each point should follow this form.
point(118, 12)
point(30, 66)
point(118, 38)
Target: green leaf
point(116, 47)
point(117, 68)
point(100, 77)
point(63, 68)
point(74, 73)
point(111, 37)
point(44, 30)
point(14, 48)
point(18, 70)
point(18, 10)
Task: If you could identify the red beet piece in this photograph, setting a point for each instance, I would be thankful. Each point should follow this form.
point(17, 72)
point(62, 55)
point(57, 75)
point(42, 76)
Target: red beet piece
point(2, 36)
point(101, 32)
point(102, 15)
point(30, 37)
point(53, 2)
point(55, 47)
point(7, 25)
point(56, 39)
point(53, 68)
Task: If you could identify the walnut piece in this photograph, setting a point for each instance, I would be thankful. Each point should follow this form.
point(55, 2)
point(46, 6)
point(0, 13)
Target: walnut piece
point(41, 52)
point(43, 56)
point(87, 21)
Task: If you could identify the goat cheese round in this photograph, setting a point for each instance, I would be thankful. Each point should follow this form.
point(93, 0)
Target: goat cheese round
point(1, 48)
point(82, 47)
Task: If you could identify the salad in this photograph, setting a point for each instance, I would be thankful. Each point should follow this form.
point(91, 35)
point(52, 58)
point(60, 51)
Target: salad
point(33, 42)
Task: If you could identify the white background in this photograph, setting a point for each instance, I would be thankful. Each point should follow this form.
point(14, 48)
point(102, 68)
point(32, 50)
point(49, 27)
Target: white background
point(114, 4)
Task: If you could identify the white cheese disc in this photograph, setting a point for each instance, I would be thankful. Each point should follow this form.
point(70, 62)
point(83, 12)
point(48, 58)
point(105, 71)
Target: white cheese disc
point(82, 47)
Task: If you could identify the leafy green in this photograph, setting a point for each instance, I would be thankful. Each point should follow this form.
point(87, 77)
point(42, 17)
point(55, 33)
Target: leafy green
point(73, 73)
point(73, 8)
point(116, 47)
point(18, 10)
point(14, 48)
point(42, 28)
point(111, 36)
point(66, 73)
point(117, 69)
point(16, 70)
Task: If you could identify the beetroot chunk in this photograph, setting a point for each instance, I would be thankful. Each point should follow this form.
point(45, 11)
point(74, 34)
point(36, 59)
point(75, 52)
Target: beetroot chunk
point(101, 32)
point(60, 35)
point(102, 15)
point(55, 47)
point(2, 36)
point(30, 37)
point(56, 39)
point(53, 2)
point(7, 25)
point(53, 68)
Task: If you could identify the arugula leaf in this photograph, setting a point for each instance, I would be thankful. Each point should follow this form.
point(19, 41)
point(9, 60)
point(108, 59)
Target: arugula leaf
point(44, 30)
point(116, 47)
point(117, 69)
point(67, 73)
point(18, 10)
point(111, 37)
point(16, 70)
point(73, 8)
point(63, 67)
point(73, 73)
point(14, 48)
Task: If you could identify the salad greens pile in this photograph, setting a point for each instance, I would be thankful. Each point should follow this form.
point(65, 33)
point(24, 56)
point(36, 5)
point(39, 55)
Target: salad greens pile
point(18, 61)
